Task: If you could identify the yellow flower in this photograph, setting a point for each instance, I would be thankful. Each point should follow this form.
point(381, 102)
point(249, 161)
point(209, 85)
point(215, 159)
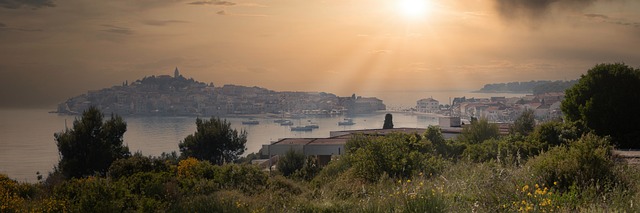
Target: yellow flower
point(555, 183)
point(525, 188)
point(408, 180)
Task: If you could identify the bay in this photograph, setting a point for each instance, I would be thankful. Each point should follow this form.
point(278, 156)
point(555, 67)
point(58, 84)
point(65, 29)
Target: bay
point(27, 144)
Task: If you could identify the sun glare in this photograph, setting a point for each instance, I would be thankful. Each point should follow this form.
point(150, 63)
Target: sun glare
point(414, 8)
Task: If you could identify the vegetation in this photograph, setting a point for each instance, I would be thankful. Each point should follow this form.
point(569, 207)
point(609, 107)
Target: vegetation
point(557, 167)
point(91, 145)
point(479, 131)
point(388, 121)
point(290, 163)
point(604, 101)
point(214, 141)
point(553, 86)
point(524, 124)
point(517, 87)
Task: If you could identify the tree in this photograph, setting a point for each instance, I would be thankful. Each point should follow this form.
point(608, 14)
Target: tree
point(524, 124)
point(479, 131)
point(290, 163)
point(92, 145)
point(214, 141)
point(388, 121)
point(605, 100)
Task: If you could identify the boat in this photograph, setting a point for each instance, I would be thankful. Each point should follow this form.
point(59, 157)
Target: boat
point(279, 121)
point(251, 122)
point(286, 123)
point(313, 126)
point(346, 122)
point(302, 129)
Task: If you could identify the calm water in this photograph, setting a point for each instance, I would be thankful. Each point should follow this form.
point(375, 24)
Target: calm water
point(27, 145)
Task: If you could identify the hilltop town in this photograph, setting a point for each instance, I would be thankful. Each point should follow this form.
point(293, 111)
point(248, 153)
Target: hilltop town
point(176, 95)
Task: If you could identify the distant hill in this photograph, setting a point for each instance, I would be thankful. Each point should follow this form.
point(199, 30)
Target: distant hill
point(535, 87)
point(554, 86)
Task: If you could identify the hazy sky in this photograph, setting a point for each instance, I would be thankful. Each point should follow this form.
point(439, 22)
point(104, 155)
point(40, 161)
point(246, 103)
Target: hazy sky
point(51, 50)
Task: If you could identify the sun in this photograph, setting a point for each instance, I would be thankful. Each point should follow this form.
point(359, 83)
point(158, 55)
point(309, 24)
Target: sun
point(414, 8)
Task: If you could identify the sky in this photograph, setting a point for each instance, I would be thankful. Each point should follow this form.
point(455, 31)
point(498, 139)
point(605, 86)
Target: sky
point(51, 50)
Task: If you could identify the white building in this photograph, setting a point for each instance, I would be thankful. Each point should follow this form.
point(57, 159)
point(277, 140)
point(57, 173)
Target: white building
point(428, 105)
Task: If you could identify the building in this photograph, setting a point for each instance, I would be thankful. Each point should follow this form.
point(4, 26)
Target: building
point(325, 148)
point(427, 105)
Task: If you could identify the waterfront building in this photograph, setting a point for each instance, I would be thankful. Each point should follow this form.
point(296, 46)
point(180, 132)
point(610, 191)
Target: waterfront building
point(427, 105)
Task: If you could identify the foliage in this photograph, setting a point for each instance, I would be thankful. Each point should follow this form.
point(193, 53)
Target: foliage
point(397, 155)
point(91, 145)
point(195, 174)
point(510, 150)
point(605, 101)
point(554, 133)
point(524, 124)
point(553, 86)
point(446, 148)
point(584, 162)
point(135, 164)
point(290, 163)
point(479, 131)
point(214, 141)
point(388, 121)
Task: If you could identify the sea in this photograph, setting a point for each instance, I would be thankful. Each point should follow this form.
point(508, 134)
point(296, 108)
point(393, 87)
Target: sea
point(27, 144)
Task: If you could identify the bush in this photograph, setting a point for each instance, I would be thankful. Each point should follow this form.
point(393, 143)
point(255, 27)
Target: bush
point(449, 149)
point(94, 194)
point(290, 163)
point(135, 164)
point(479, 131)
point(583, 163)
point(397, 155)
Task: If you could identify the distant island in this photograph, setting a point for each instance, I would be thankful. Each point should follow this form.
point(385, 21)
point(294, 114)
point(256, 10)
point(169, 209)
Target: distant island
point(176, 95)
point(535, 87)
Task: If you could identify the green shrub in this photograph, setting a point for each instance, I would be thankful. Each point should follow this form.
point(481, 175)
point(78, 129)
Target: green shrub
point(397, 155)
point(136, 163)
point(246, 178)
point(479, 131)
point(450, 149)
point(583, 163)
point(290, 163)
point(94, 194)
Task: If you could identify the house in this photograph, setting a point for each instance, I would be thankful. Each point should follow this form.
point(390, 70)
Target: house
point(427, 105)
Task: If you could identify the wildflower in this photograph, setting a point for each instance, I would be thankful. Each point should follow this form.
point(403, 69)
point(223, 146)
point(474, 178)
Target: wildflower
point(408, 180)
point(555, 183)
point(525, 188)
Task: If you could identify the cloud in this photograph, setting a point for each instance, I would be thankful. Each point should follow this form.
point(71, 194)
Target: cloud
point(596, 16)
point(610, 20)
point(163, 22)
point(380, 52)
point(225, 13)
point(33, 4)
point(117, 29)
point(213, 2)
point(534, 9)
point(4, 27)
